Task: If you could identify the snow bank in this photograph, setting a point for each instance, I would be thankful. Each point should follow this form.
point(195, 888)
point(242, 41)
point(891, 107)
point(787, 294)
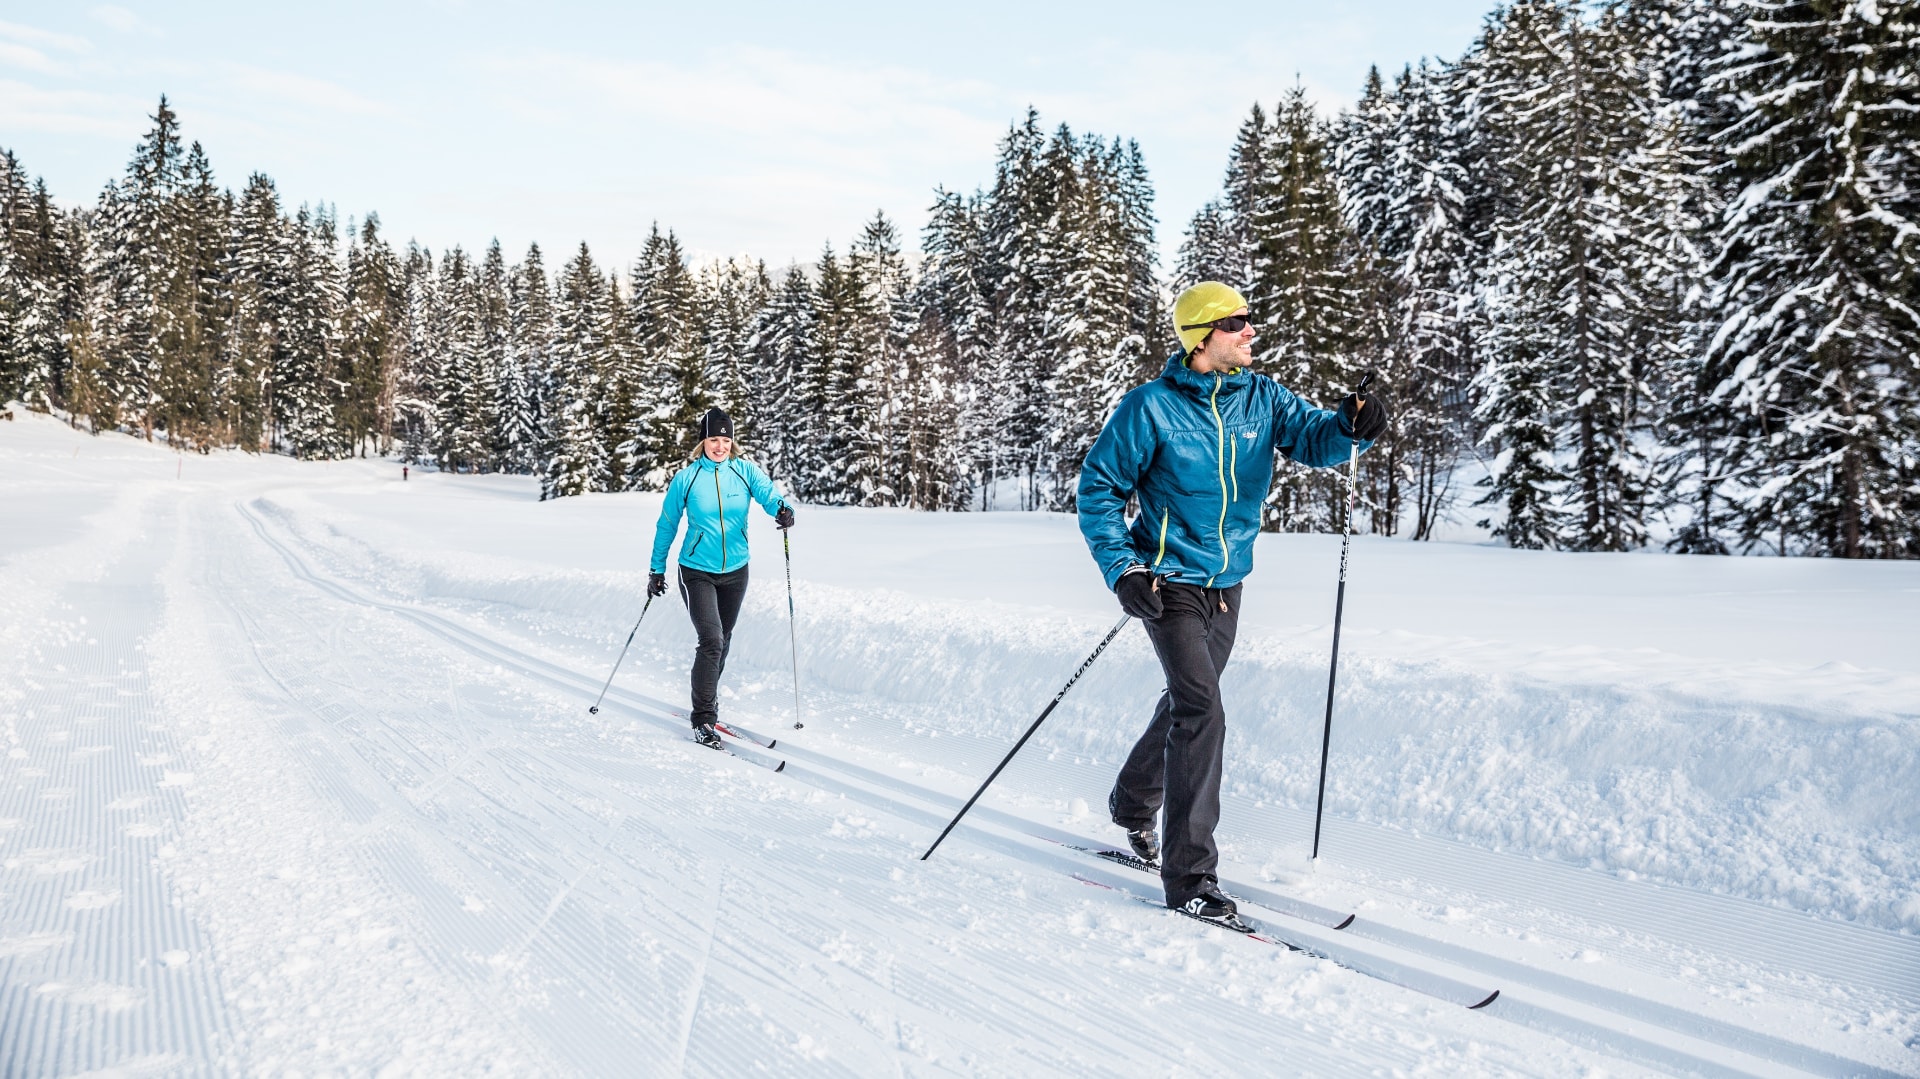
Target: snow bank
point(1751, 754)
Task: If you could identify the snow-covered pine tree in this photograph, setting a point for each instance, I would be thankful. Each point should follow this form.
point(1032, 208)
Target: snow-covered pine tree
point(1431, 255)
point(1017, 271)
point(1680, 41)
point(1574, 308)
point(730, 297)
point(528, 382)
point(252, 270)
point(1363, 150)
point(418, 384)
point(305, 381)
point(1092, 356)
point(828, 385)
point(498, 372)
point(932, 472)
point(1362, 145)
point(132, 269)
point(1151, 338)
point(875, 342)
point(1812, 355)
point(191, 309)
point(1219, 245)
point(371, 342)
point(32, 266)
point(778, 353)
point(577, 457)
point(956, 410)
point(669, 375)
point(464, 420)
point(1310, 295)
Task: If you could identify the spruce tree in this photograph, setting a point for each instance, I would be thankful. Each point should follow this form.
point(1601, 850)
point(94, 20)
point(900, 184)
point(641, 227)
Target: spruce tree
point(872, 349)
point(1811, 357)
point(1309, 294)
point(194, 308)
point(955, 342)
point(779, 353)
point(371, 342)
point(1432, 255)
point(528, 381)
point(668, 372)
point(1575, 305)
point(577, 455)
point(132, 269)
point(464, 419)
point(304, 377)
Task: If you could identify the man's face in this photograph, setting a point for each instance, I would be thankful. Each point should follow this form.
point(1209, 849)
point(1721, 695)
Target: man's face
point(1223, 351)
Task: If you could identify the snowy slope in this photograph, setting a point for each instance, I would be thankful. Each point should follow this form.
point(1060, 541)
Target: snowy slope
point(298, 775)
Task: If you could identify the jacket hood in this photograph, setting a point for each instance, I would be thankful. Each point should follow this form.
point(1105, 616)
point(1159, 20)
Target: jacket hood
point(1201, 386)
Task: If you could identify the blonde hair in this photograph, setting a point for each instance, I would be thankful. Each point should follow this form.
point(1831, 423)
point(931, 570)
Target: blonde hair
point(700, 450)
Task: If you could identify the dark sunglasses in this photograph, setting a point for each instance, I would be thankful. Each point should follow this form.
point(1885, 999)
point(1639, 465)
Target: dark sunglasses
point(1231, 324)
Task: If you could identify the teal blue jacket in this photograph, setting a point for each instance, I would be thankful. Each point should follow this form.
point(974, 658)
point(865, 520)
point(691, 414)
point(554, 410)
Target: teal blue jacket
point(1198, 450)
point(713, 497)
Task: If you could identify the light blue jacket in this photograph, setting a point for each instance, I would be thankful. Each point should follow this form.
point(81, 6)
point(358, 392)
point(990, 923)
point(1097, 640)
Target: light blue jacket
point(713, 496)
point(1198, 450)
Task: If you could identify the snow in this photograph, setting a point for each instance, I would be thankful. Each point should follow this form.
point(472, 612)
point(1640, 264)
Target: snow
point(297, 776)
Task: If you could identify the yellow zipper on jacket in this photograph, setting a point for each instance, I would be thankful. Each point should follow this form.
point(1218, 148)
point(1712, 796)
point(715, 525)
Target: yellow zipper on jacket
point(721, 502)
point(1163, 539)
point(1220, 459)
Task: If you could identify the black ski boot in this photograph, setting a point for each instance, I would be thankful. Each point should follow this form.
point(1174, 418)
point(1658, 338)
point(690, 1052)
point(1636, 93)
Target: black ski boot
point(1212, 905)
point(707, 736)
point(1146, 846)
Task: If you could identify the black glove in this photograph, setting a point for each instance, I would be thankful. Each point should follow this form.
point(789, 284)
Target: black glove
point(1365, 424)
point(784, 518)
point(1137, 596)
point(656, 584)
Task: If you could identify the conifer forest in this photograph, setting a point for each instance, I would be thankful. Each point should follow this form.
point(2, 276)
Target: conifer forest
point(1639, 273)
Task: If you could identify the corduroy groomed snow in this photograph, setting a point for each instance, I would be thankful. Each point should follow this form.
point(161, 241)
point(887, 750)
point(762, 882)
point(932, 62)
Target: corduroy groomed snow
point(1204, 302)
point(716, 423)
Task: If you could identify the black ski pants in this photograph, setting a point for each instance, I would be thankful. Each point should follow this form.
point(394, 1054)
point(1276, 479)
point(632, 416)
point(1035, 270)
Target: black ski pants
point(1177, 762)
point(713, 601)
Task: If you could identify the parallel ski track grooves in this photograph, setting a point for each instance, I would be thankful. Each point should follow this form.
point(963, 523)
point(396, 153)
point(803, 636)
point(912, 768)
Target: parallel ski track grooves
point(1580, 1014)
point(177, 1017)
point(523, 816)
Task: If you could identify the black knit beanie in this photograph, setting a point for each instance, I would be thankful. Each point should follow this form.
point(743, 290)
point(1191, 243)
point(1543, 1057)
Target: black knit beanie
point(716, 423)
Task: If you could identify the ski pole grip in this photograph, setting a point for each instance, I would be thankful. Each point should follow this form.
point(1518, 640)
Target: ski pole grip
point(1365, 381)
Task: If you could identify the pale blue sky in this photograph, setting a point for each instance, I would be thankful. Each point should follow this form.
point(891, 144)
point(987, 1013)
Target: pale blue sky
point(748, 128)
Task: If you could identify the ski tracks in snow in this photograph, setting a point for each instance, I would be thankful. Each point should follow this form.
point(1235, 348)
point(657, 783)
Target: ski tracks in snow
point(832, 957)
point(1581, 1018)
point(270, 820)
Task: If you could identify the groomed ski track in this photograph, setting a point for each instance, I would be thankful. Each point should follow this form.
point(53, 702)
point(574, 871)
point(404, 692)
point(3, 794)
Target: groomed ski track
point(1615, 1023)
point(296, 775)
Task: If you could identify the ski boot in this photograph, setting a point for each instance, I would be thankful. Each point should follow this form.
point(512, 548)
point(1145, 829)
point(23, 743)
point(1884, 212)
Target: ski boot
point(1146, 846)
point(707, 736)
point(1213, 905)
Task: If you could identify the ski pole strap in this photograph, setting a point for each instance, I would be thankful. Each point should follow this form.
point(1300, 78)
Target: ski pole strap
point(1044, 713)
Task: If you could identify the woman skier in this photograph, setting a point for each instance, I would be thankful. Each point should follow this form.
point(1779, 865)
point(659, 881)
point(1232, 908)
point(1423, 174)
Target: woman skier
point(712, 493)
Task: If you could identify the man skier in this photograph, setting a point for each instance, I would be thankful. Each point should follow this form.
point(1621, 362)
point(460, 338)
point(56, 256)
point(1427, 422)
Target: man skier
point(1196, 446)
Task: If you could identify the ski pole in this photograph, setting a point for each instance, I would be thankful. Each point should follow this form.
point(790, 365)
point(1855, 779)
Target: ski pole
point(595, 708)
point(1339, 606)
point(793, 635)
point(1044, 713)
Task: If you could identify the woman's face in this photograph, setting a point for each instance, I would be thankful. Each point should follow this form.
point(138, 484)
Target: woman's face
point(718, 447)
